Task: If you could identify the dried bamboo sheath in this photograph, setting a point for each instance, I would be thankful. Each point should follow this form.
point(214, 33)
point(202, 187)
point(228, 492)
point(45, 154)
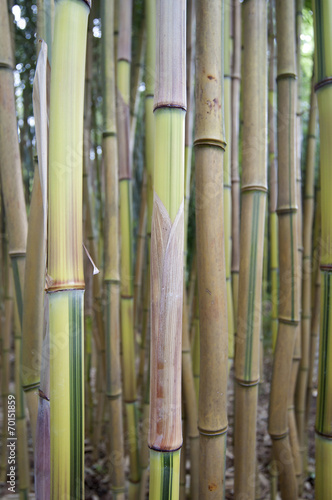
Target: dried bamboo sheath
point(254, 190)
point(209, 146)
point(288, 249)
point(323, 42)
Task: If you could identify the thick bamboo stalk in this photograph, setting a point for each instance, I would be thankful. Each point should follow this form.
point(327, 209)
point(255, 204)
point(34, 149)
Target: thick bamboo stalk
point(127, 301)
point(111, 257)
point(254, 191)
point(65, 252)
point(235, 177)
point(167, 235)
point(309, 203)
point(323, 88)
point(288, 249)
point(209, 146)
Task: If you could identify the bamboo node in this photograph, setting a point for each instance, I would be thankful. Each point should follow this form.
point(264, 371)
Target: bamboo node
point(247, 383)
point(210, 142)
point(211, 433)
point(284, 76)
point(254, 187)
point(323, 83)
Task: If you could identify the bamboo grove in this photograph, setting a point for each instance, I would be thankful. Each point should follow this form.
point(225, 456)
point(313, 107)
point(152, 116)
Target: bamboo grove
point(165, 251)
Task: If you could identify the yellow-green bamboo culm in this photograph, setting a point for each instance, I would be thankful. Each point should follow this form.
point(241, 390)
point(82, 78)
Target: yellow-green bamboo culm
point(308, 217)
point(167, 235)
point(127, 289)
point(273, 181)
point(323, 88)
point(65, 254)
point(111, 258)
point(227, 205)
point(209, 145)
point(288, 250)
point(235, 177)
point(254, 193)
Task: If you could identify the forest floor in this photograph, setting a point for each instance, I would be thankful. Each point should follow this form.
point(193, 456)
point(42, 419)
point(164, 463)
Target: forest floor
point(97, 478)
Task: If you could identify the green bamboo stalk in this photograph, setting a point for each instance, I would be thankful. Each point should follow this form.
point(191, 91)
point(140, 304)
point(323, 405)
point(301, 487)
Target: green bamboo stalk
point(323, 88)
point(127, 301)
point(235, 178)
point(254, 191)
point(209, 146)
point(45, 23)
point(111, 257)
point(309, 202)
point(136, 79)
point(167, 235)
point(65, 253)
point(227, 179)
point(288, 249)
point(273, 180)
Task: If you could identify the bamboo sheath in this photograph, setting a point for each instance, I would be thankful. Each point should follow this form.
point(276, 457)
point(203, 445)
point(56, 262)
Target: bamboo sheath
point(111, 257)
point(65, 254)
point(167, 234)
point(209, 147)
point(288, 249)
point(308, 217)
point(323, 88)
point(235, 178)
point(273, 181)
point(254, 191)
point(227, 180)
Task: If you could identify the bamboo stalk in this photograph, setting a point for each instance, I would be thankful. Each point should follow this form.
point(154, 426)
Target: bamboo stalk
point(288, 249)
point(127, 301)
point(254, 190)
point(137, 75)
point(65, 253)
point(235, 178)
point(323, 88)
point(227, 180)
point(308, 217)
point(209, 152)
point(273, 181)
point(167, 235)
point(111, 253)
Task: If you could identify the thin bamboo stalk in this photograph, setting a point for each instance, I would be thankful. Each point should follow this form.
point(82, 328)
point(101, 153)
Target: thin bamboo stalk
point(111, 257)
point(235, 177)
point(309, 191)
point(11, 175)
point(273, 180)
point(323, 88)
point(65, 253)
point(254, 192)
point(167, 235)
point(209, 146)
point(127, 301)
point(137, 75)
point(227, 207)
point(288, 249)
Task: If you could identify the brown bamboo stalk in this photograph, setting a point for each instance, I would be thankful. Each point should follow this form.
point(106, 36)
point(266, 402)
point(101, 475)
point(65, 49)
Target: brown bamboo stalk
point(288, 248)
point(254, 193)
point(209, 146)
